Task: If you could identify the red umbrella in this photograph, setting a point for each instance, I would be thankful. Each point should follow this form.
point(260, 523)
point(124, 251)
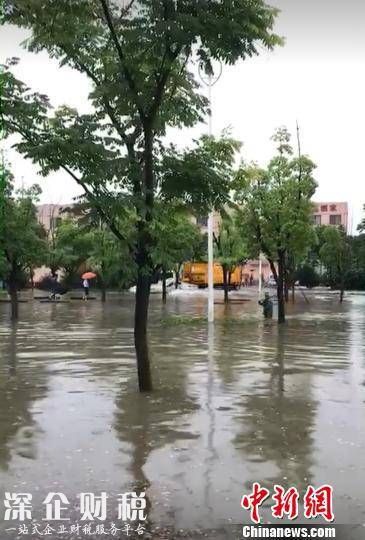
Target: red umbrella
point(88, 275)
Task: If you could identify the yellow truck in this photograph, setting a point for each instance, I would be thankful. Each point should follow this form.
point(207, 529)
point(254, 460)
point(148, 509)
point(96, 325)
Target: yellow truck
point(196, 273)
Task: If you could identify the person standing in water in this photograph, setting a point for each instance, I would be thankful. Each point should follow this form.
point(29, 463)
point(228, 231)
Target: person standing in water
point(267, 305)
point(54, 285)
point(86, 286)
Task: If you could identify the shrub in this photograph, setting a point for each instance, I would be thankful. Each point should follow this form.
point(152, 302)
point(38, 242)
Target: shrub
point(307, 276)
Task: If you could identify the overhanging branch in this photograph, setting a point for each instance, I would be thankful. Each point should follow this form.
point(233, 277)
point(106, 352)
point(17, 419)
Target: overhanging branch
point(128, 76)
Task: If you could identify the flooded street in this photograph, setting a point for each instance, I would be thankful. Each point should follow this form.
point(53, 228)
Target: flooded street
point(248, 402)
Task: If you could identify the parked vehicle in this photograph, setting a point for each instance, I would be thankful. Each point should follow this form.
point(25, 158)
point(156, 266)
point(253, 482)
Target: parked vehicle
point(156, 286)
point(196, 273)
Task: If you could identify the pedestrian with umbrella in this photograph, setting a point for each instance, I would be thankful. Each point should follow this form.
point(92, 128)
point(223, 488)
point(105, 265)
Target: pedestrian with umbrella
point(56, 289)
point(86, 285)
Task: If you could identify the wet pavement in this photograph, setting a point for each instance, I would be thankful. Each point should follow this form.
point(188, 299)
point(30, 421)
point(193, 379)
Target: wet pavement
point(246, 402)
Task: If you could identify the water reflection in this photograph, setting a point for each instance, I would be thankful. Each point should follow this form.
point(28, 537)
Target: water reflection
point(247, 402)
point(277, 421)
point(18, 392)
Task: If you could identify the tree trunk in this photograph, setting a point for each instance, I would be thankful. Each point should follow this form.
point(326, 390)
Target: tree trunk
point(286, 291)
point(144, 265)
point(225, 283)
point(340, 271)
point(103, 292)
point(31, 271)
point(13, 292)
point(280, 289)
point(177, 274)
point(342, 291)
point(102, 287)
point(293, 293)
point(102, 284)
point(164, 293)
point(140, 331)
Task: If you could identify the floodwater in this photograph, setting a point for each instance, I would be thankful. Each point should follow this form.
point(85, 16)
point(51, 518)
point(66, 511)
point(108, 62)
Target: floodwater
point(246, 402)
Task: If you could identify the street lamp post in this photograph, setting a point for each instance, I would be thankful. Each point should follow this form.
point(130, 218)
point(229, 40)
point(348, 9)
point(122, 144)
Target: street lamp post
point(260, 274)
point(210, 80)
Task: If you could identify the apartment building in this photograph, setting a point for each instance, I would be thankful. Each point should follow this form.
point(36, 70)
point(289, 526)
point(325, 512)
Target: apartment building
point(50, 215)
point(331, 213)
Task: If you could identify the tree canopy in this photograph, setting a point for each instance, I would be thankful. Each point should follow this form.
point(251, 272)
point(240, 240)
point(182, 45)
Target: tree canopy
point(230, 247)
point(23, 243)
point(335, 254)
point(276, 208)
point(139, 58)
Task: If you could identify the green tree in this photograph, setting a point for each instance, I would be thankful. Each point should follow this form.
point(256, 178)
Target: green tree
point(336, 256)
point(357, 244)
point(71, 247)
point(307, 276)
point(199, 177)
point(138, 59)
point(361, 225)
point(177, 239)
point(277, 209)
point(313, 257)
point(110, 260)
point(230, 248)
point(5, 186)
point(22, 243)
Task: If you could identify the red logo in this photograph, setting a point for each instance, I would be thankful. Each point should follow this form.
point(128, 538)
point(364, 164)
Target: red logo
point(286, 503)
point(316, 502)
point(255, 500)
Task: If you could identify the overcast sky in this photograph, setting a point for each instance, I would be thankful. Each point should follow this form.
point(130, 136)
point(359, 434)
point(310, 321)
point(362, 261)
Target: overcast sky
point(317, 78)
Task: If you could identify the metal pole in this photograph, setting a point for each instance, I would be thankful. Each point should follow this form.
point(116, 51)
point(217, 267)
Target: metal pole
point(209, 81)
point(210, 269)
point(210, 228)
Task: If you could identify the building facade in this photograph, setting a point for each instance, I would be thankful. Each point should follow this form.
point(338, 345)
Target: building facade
point(331, 213)
point(50, 215)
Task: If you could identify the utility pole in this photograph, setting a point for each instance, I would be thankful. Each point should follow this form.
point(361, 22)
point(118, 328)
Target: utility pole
point(210, 81)
point(210, 228)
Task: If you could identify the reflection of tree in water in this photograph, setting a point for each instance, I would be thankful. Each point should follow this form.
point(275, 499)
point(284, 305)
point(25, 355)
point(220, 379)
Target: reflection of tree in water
point(278, 423)
point(235, 343)
point(279, 416)
point(18, 391)
point(151, 421)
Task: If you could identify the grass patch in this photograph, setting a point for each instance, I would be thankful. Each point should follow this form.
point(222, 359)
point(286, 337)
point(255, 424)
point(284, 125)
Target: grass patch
point(176, 320)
